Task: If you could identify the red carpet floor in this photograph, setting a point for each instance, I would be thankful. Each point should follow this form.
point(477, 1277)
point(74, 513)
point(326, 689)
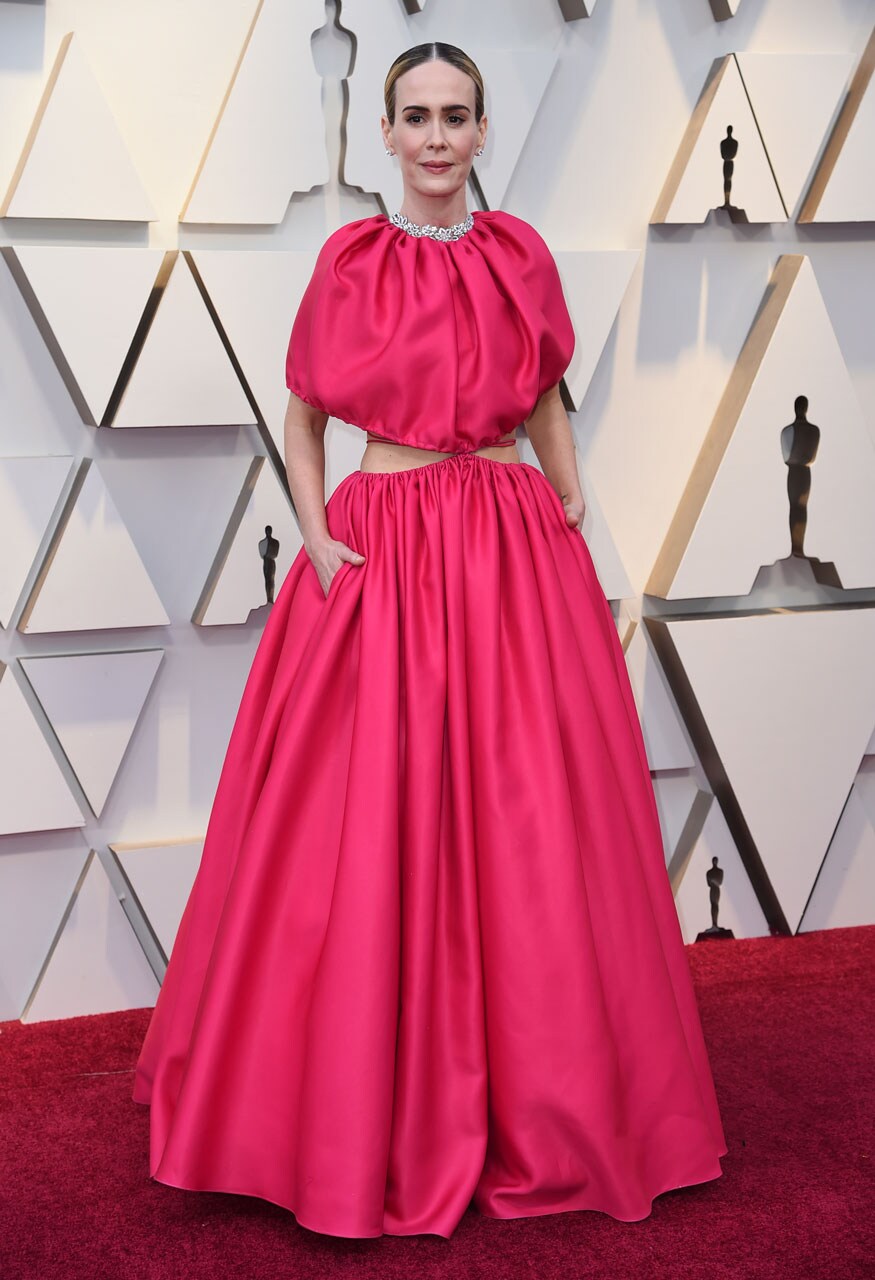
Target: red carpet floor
point(790, 1028)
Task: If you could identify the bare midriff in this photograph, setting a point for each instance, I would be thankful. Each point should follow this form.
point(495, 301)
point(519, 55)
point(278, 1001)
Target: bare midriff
point(387, 455)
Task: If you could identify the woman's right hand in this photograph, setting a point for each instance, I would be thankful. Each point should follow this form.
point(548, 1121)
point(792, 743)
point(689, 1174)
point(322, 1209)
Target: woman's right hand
point(327, 558)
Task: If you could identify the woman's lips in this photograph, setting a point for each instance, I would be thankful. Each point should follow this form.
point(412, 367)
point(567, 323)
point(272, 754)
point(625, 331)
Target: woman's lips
point(437, 168)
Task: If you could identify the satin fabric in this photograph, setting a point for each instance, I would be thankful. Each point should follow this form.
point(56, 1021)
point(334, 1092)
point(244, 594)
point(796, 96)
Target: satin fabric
point(444, 345)
point(431, 956)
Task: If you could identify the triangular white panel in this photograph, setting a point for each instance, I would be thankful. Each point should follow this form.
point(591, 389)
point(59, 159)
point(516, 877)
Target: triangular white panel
point(38, 873)
point(794, 96)
point(75, 162)
point(744, 521)
point(93, 702)
point(33, 793)
point(843, 189)
point(183, 376)
point(236, 583)
point(93, 576)
point(667, 747)
point(599, 539)
point(162, 876)
point(256, 296)
point(737, 907)
point(97, 964)
point(844, 894)
point(675, 795)
point(91, 299)
point(695, 183)
point(29, 492)
point(259, 153)
point(789, 701)
point(594, 284)
point(516, 84)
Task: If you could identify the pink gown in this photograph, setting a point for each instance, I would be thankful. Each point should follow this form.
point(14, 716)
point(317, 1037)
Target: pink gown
point(431, 956)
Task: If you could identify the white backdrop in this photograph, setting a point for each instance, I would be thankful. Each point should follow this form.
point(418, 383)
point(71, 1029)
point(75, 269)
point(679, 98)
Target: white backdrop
point(134, 130)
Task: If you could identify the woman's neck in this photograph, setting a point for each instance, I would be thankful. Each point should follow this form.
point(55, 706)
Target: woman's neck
point(436, 213)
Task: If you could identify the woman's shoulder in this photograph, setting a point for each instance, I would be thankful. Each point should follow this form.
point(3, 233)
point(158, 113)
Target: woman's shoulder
point(517, 228)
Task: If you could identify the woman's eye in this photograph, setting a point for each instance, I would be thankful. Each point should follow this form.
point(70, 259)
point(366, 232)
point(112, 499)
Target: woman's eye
point(416, 115)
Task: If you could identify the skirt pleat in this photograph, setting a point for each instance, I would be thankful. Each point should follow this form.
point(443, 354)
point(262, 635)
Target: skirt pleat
point(431, 956)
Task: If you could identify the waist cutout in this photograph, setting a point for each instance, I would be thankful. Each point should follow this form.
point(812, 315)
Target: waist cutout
point(401, 457)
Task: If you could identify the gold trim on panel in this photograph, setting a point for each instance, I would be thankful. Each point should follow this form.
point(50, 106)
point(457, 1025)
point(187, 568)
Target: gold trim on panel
point(138, 341)
point(690, 138)
point(723, 424)
point(222, 107)
point(51, 551)
point(36, 123)
point(860, 83)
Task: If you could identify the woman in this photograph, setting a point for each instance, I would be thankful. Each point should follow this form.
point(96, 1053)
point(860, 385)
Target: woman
point(431, 955)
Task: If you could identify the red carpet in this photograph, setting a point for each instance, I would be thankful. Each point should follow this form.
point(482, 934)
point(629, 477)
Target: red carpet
point(789, 1025)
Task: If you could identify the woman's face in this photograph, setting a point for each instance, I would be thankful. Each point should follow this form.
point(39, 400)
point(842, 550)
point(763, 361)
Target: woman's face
point(435, 134)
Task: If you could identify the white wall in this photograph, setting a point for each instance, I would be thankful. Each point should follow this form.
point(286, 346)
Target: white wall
point(585, 162)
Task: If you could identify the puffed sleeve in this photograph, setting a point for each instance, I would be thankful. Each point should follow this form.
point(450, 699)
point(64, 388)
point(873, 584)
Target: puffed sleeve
point(303, 354)
point(557, 346)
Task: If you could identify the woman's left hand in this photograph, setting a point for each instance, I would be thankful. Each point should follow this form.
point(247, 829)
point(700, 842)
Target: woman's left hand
point(575, 510)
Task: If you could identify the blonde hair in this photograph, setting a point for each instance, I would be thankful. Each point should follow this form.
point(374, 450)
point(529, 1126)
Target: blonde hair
point(431, 52)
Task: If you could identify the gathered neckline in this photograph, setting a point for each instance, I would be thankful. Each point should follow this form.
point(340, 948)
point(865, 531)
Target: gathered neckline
point(476, 216)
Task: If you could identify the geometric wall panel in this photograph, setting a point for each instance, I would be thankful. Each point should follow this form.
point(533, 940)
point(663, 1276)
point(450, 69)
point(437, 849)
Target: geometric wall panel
point(96, 965)
point(595, 529)
point(664, 739)
point(843, 188)
point(743, 497)
point(258, 154)
point(518, 80)
point(794, 96)
point(92, 576)
point(600, 542)
point(182, 375)
point(737, 905)
point(75, 163)
point(573, 9)
point(237, 582)
point(33, 793)
point(515, 86)
point(724, 9)
point(594, 284)
point(256, 296)
point(93, 702)
point(682, 808)
point(88, 302)
point(696, 181)
point(29, 491)
point(780, 706)
point(844, 894)
point(38, 873)
point(161, 876)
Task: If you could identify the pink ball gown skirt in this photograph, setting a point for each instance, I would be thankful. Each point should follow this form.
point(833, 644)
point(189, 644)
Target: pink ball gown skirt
point(431, 955)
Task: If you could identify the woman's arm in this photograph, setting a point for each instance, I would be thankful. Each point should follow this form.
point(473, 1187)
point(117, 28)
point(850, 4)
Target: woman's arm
point(304, 445)
point(549, 430)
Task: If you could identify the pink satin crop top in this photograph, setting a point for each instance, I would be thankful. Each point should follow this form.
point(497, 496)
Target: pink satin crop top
point(441, 344)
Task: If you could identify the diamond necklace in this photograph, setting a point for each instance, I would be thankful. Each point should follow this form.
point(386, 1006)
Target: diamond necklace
point(434, 233)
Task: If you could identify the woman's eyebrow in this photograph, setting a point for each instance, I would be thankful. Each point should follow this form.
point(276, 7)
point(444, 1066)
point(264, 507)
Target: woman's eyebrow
point(456, 106)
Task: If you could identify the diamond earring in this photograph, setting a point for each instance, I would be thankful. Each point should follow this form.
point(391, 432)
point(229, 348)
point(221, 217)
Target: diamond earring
point(389, 153)
point(479, 152)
